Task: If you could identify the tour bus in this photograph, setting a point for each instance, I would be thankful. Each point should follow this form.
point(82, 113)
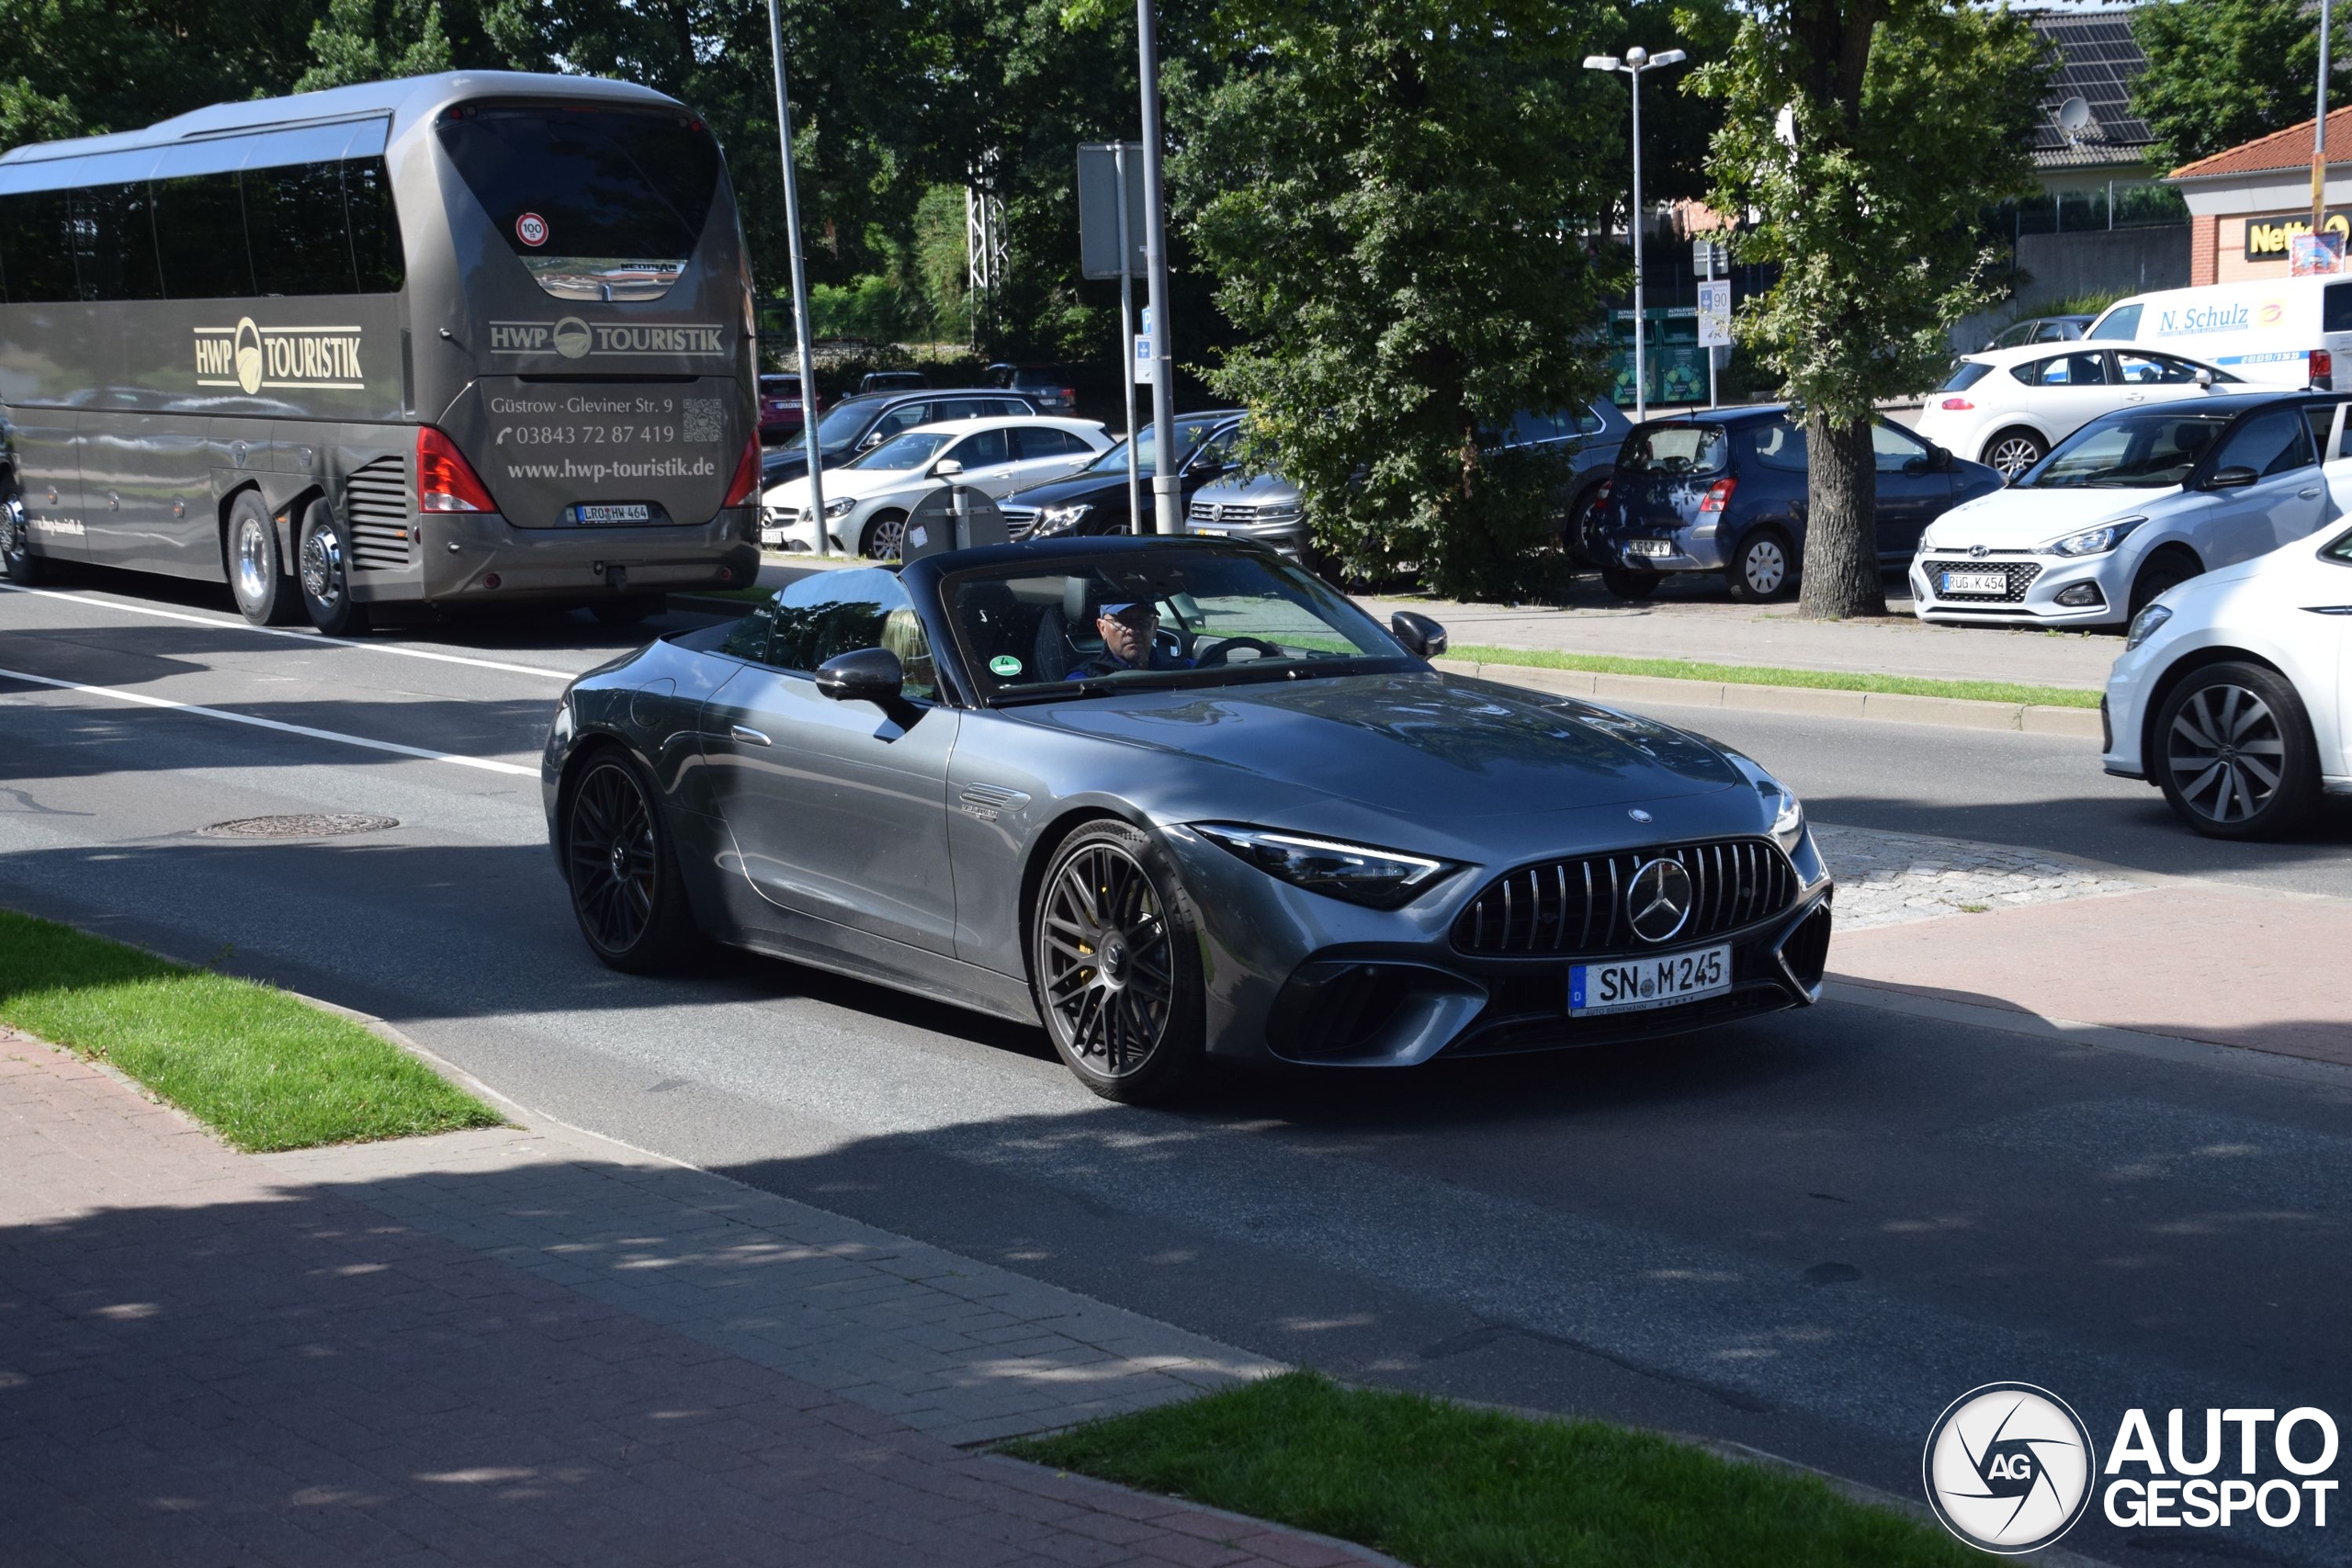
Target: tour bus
point(2286, 331)
point(473, 337)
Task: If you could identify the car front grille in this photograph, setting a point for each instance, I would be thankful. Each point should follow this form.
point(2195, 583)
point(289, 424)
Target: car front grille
point(1578, 906)
point(1233, 513)
point(1020, 522)
point(2020, 575)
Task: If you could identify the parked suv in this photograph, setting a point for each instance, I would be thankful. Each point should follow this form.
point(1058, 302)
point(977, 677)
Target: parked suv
point(863, 421)
point(1725, 491)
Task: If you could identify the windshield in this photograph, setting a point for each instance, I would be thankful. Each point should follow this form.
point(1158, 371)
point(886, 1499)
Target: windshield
point(2134, 451)
point(1674, 449)
point(912, 450)
point(2120, 323)
point(1183, 616)
point(1188, 440)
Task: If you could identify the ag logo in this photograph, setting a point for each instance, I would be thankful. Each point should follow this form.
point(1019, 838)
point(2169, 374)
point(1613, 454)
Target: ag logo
point(531, 230)
point(1659, 900)
point(572, 337)
point(2009, 1467)
point(248, 355)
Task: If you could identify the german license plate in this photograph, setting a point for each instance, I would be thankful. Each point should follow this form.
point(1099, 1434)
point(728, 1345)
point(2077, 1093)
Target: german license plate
point(615, 511)
point(771, 535)
point(1976, 582)
point(1629, 985)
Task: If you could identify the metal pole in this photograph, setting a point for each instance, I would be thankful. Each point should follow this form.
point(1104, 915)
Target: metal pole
point(2318, 132)
point(799, 291)
point(1127, 340)
point(1641, 367)
point(1166, 489)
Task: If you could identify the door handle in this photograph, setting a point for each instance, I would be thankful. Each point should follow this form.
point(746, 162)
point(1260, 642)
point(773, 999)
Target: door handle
point(747, 735)
point(2309, 494)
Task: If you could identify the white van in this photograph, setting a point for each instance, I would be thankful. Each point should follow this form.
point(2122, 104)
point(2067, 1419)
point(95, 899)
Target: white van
point(2286, 331)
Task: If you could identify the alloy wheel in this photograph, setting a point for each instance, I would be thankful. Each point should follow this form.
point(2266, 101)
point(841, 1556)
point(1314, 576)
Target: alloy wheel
point(2226, 753)
point(886, 539)
point(1108, 966)
point(613, 858)
point(1765, 567)
point(254, 561)
point(323, 566)
point(2013, 456)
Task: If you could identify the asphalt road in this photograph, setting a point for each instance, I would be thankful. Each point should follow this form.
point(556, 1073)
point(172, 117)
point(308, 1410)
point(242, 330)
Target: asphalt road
point(1808, 1234)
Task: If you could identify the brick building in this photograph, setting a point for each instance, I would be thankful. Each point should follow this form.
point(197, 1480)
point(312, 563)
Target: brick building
point(2245, 203)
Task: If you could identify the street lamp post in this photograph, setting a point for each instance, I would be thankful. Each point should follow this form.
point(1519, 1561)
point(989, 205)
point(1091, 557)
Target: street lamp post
point(799, 291)
point(1636, 61)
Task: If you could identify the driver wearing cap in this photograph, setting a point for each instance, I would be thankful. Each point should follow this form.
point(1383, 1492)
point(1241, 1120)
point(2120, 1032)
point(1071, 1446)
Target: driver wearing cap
point(1127, 628)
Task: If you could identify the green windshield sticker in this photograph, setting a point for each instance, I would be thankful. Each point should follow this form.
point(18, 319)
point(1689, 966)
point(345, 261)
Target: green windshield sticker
point(1004, 664)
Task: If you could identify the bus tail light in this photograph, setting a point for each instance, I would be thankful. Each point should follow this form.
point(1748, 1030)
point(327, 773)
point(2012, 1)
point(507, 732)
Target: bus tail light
point(746, 482)
point(1718, 495)
point(445, 481)
point(2322, 370)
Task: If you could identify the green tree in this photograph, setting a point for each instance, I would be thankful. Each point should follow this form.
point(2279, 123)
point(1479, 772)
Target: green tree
point(85, 66)
point(1389, 194)
point(2223, 71)
point(366, 40)
point(1862, 135)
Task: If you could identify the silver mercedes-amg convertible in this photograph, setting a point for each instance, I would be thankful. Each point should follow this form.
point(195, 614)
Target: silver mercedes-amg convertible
point(1182, 803)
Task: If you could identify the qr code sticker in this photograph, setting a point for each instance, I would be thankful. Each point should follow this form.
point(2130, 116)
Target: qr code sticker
point(701, 419)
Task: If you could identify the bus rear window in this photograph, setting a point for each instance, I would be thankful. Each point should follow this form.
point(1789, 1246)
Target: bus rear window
point(586, 197)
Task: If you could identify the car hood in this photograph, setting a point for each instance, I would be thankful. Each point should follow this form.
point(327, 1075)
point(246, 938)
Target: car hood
point(853, 483)
point(2018, 519)
point(1260, 489)
point(1422, 745)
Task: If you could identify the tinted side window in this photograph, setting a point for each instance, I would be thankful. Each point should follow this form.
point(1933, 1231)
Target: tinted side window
point(200, 238)
point(2269, 443)
point(2336, 308)
point(832, 613)
point(115, 243)
point(906, 416)
point(294, 225)
point(2322, 418)
point(1036, 441)
point(1893, 448)
point(1780, 445)
point(377, 260)
point(37, 247)
point(981, 449)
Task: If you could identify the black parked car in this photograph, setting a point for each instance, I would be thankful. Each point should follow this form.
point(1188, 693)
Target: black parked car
point(869, 419)
point(1725, 491)
point(1095, 499)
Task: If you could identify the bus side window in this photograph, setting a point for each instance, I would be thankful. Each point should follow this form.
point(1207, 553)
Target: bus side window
point(295, 227)
point(115, 243)
point(37, 248)
point(374, 227)
point(200, 235)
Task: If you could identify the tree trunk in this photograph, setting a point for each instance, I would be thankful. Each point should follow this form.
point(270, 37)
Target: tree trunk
point(1841, 576)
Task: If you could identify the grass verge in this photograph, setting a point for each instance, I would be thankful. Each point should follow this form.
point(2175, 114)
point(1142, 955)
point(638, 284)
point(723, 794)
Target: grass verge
point(265, 1069)
point(1767, 675)
point(1442, 1486)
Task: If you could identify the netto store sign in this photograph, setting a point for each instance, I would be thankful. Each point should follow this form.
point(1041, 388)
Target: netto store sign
point(251, 358)
point(2268, 239)
point(572, 338)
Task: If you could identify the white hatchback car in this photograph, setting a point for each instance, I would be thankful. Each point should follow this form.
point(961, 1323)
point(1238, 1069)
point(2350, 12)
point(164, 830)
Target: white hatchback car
point(868, 498)
point(2008, 407)
point(2234, 693)
point(2134, 503)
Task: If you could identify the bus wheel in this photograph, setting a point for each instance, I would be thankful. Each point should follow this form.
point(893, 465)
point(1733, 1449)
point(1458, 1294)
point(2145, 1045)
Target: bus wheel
point(323, 566)
point(257, 575)
point(16, 558)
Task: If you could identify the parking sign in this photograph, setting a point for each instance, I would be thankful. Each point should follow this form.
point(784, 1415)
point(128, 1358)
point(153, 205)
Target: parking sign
point(1714, 314)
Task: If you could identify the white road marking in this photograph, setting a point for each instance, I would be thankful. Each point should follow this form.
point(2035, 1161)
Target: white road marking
point(485, 763)
point(225, 624)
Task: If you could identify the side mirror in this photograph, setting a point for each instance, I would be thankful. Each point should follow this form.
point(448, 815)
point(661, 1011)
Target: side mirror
point(1939, 459)
point(1420, 634)
point(2205, 377)
point(868, 675)
point(2230, 479)
point(946, 468)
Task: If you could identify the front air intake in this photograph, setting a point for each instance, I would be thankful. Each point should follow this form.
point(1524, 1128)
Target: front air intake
point(1578, 906)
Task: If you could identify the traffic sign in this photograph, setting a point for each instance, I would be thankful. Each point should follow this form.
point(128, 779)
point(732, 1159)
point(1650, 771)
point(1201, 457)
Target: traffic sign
point(1714, 314)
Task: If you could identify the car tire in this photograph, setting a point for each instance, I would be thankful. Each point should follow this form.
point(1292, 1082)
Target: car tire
point(885, 536)
point(622, 864)
point(1573, 528)
point(256, 571)
point(1624, 584)
point(2219, 732)
point(323, 572)
point(2165, 570)
point(1116, 965)
point(1762, 568)
point(626, 612)
point(2012, 451)
point(17, 562)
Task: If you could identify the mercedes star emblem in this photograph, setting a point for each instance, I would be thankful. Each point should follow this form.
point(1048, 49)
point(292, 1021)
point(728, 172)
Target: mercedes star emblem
point(1659, 901)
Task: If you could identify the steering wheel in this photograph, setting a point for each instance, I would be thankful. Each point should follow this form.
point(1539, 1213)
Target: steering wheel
point(1176, 645)
point(1222, 652)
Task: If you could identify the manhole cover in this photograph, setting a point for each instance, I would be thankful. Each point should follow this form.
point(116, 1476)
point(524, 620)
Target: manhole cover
point(310, 825)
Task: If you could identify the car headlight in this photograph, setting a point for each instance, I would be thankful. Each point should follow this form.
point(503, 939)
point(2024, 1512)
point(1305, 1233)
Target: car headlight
point(1788, 822)
point(1061, 519)
point(840, 508)
point(560, 733)
point(2095, 541)
point(2146, 624)
point(1381, 879)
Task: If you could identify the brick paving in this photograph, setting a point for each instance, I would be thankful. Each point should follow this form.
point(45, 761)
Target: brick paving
point(206, 1359)
point(1886, 879)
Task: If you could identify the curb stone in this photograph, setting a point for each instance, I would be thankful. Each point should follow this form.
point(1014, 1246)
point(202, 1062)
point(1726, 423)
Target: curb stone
point(1962, 713)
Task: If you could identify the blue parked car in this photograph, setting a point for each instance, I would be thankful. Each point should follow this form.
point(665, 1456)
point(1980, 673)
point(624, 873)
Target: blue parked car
point(1724, 490)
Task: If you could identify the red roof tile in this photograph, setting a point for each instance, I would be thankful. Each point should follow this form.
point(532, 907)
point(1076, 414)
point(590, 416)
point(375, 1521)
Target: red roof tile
point(2288, 149)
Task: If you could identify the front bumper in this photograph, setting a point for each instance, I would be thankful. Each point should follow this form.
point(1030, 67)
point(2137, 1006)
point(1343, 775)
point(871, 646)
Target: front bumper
point(467, 557)
point(1290, 538)
point(1297, 978)
point(2036, 583)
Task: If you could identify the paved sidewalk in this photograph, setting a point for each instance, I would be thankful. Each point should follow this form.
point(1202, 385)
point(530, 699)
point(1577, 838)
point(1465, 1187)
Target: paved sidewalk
point(209, 1358)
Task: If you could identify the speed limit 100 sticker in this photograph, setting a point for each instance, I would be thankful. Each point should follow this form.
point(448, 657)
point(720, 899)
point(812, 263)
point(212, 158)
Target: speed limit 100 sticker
point(531, 228)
